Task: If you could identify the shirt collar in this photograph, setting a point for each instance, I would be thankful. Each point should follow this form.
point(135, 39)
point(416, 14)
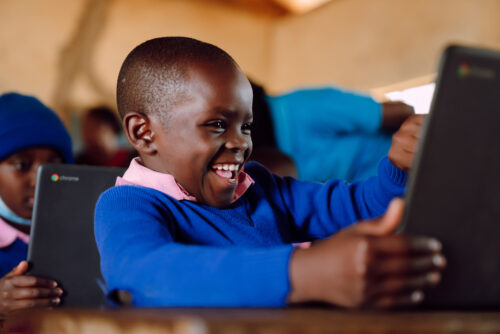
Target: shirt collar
point(139, 175)
point(9, 234)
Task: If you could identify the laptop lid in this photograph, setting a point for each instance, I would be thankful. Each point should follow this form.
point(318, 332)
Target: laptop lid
point(454, 187)
point(62, 244)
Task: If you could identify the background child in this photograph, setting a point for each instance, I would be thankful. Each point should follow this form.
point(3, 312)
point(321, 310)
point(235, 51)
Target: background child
point(328, 133)
point(189, 227)
point(31, 135)
point(100, 132)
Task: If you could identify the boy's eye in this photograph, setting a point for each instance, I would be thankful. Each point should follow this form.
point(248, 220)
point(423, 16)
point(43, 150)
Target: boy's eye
point(218, 126)
point(247, 128)
point(22, 166)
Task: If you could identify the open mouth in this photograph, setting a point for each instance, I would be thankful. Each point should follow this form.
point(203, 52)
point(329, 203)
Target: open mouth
point(227, 171)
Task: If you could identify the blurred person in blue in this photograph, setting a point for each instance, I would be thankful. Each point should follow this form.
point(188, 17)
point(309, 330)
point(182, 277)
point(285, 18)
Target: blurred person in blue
point(323, 133)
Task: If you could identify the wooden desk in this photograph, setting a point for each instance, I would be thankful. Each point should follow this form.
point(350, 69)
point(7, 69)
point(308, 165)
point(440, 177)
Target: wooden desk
point(293, 320)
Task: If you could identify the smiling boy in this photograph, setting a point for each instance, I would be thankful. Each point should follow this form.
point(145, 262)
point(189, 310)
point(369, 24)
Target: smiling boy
point(188, 144)
point(189, 225)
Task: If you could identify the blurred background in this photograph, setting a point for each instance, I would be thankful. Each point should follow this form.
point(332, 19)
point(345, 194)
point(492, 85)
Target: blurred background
point(68, 53)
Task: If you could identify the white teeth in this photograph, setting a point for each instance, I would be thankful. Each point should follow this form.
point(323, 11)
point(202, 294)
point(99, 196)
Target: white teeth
point(229, 167)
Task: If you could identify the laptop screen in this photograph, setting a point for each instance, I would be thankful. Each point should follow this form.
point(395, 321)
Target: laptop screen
point(62, 244)
point(454, 189)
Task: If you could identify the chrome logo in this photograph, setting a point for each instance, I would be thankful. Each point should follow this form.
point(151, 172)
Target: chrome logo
point(463, 70)
point(54, 177)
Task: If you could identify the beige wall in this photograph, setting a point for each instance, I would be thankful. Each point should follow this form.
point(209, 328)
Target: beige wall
point(366, 44)
point(69, 52)
point(32, 34)
point(243, 34)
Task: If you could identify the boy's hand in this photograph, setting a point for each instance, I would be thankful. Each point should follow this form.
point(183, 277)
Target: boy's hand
point(18, 291)
point(404, 142)
point(366, 265)
point(394, 114)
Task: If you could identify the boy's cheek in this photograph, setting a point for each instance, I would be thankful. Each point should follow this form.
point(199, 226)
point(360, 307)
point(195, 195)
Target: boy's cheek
point(21, 205)
point(26, 209)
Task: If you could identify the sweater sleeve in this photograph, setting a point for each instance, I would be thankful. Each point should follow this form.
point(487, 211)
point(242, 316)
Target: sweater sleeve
point(319, 210)
point(135, 237)
point(325, 111)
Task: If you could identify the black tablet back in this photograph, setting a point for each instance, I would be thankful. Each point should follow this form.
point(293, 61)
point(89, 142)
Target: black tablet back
point(62, 244)
point(454, 188)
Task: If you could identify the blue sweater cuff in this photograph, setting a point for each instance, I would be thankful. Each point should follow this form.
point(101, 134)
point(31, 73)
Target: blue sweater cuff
point(392, 177)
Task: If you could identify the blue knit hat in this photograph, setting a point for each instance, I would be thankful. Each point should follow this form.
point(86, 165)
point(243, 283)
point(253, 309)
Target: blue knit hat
point(25, 122)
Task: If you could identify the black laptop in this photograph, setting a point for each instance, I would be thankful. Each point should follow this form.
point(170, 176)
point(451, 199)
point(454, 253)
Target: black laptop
point(62, 244)
point(454, 187)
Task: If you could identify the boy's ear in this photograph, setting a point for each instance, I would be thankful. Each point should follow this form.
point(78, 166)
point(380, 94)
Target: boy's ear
point(138, 130)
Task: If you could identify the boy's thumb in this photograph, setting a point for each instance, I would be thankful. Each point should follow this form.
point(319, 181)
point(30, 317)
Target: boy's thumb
point(19, 269)
point(386, 224)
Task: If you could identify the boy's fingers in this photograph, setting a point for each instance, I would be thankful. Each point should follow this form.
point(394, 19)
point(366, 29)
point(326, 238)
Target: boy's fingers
point(384, 225)
point(31, 303)
point(402, 244)
point(33, 281)
point(402, 284)
point(402, 265)
point(18, 270)
point(414, 120)
point(35, 293)
point(405, 151)
point(415, 124)
point(407, 138)
point(418, 119)
point(406, 299)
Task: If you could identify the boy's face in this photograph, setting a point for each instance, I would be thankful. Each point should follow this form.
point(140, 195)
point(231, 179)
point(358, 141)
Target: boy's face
point(18, 177)
point(206, 137)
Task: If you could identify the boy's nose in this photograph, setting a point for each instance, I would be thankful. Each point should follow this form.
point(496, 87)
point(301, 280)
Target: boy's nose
point(238, 142)
point(32, 177)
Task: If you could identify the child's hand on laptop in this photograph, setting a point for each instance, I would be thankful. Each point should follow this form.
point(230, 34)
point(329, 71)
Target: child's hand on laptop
point(19, 291)
point(394, 114)
point(367, 265)
point(404, 142)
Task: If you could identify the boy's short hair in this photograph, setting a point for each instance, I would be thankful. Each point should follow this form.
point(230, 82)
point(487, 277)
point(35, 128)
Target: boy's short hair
point(152, 76)
point(25, 122)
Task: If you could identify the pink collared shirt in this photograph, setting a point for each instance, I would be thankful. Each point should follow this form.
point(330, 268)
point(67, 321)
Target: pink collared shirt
point(9, 234)
point(139, 175)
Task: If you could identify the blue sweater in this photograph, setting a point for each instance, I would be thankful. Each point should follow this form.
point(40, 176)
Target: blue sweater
point(180, 253)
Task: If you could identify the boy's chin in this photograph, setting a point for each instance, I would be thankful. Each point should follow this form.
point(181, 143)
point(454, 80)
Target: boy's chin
point(221, 201)
point(220, 204)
